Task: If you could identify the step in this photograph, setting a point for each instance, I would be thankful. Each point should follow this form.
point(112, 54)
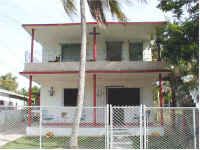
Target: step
point(123, 143)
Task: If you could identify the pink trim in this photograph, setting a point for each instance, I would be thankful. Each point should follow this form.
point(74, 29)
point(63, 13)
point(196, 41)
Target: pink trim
point(30, 80)
point(94, 99)
point(32, 43)
point(93, 23)
point(95, 71)
point(94, 44)
point(160, 90)
point(30, 100)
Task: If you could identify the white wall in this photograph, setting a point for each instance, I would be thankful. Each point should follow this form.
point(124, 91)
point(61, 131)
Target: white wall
point(145, 85)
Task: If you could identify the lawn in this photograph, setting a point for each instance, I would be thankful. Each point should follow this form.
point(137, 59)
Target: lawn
point(165, 142)
point(54, 142)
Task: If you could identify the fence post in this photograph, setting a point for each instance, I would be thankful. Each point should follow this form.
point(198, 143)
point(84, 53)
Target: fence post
point(40, 127)
point(111, 127)
point(107, 127)
point(194, 129)
point(141, 127)
point(145, 127)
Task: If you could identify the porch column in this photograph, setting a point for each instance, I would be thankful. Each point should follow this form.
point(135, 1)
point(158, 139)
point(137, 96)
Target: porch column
point(30, 79)
point(94, 75)
point(29, 100)
point(161, 97)
point(94, 44)
point(94, 99)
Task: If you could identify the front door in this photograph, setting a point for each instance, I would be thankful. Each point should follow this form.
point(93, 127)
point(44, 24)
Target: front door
point(122, 97)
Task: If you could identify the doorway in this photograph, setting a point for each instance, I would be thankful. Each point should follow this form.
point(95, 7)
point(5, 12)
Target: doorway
point(122, 97)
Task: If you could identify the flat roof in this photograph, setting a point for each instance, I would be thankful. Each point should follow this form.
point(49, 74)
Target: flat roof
point(91, 23)
point(51, 35)
point(12, 94)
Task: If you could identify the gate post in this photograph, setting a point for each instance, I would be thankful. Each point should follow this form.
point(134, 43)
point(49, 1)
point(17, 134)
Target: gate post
point(145, 127)
point(141, 127)
point(111, 127)
point(107, 127)
point(194, 128)
point(40, 127)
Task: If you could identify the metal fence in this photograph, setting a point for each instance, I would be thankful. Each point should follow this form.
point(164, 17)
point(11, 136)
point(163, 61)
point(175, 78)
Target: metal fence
point(110, 127)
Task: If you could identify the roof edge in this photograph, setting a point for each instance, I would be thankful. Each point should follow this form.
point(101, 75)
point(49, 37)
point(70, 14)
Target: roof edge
point(91, 23)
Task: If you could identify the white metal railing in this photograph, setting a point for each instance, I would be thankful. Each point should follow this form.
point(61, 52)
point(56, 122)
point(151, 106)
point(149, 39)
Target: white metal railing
point(27, 58)
point(112, 127)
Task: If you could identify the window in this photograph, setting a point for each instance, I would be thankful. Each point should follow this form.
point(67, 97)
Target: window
point(1, 102)
point(70, 97)
point(10, 104)
point(113, 51)
point(71, 52)
point(135, 51)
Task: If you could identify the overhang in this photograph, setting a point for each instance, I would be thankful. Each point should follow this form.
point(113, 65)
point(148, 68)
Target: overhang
point(60, 33)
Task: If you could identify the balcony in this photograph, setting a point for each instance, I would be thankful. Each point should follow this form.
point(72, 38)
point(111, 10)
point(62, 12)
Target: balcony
point(95, 66)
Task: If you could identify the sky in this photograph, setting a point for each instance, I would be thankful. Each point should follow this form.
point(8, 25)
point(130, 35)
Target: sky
point(14, 40)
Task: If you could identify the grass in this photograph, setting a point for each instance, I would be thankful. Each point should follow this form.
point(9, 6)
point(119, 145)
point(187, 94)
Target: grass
point(166, 142)
point(54, 142)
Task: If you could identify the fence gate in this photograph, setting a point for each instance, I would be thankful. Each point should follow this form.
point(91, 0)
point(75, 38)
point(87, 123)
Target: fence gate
point(141, 127)
point(126, 127)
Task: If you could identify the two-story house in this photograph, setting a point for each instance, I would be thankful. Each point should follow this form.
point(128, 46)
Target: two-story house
point(119, 69)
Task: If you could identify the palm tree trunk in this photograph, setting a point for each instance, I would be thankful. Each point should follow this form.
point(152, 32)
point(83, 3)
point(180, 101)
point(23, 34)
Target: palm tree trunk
point(81, 91)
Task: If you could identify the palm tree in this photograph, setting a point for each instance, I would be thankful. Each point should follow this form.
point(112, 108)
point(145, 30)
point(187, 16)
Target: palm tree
point(97, 9)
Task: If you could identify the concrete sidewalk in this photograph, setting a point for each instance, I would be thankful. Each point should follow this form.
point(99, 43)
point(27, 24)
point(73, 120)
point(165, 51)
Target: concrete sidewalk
point(11, 133)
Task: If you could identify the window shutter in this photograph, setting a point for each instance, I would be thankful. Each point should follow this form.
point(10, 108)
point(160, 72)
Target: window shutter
point(136, 51)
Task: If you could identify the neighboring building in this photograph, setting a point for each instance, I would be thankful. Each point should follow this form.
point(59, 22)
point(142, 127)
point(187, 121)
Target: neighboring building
point(119, 70)
point(12, 99)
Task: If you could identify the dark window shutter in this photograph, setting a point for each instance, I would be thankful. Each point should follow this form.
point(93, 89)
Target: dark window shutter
point(113, 51)
point(71, 52)
point(136, 51)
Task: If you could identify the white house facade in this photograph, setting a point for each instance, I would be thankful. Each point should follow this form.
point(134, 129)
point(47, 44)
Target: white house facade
point(120, 70)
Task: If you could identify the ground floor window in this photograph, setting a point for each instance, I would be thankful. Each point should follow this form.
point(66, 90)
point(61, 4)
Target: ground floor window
point(70, 97)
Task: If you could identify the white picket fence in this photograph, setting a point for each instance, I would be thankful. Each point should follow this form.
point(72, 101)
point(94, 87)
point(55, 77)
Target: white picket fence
point(109, 127)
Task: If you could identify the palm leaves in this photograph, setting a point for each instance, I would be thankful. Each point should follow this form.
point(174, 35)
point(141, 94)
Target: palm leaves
point(98, 9)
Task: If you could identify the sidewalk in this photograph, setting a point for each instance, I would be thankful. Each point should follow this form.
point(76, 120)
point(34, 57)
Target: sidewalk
point(12, 133)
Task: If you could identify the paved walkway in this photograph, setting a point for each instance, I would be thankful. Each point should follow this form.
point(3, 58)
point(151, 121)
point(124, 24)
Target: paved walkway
point(121, 139)
point(8, 134)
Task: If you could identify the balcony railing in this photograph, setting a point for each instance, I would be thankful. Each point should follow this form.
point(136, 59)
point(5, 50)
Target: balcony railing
point(27, 58)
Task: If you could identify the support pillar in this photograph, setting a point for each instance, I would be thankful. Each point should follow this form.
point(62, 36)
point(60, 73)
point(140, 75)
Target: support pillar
point(94, 44)
point(29, 101)
point(30, 80)
point(94, 75)
point(94, 99)
point(161, 97)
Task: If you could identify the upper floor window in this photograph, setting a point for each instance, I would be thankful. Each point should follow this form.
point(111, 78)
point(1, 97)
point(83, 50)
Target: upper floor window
point(70, 52)
point(136, 51)
point(113, 51)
